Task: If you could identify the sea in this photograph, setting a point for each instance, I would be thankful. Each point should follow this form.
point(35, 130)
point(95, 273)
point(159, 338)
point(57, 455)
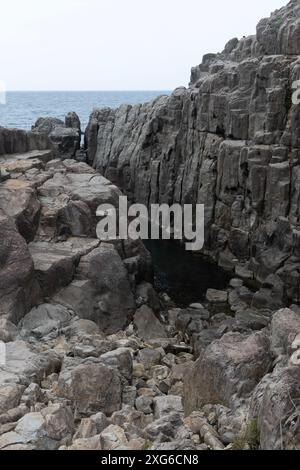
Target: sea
point(23, 108)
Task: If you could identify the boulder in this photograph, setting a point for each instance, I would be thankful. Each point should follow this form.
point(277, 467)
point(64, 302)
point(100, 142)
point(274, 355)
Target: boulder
point(163, 429)
point(113, 438)
point(100, 421)
point(86, 429)
point(19, 201)
point(66, 141)
point(284, 329)
point(113, 302)
point(165, 405)
point(149, 357)
point(75, 219)
point(147, 324)
point(229, 369)
point(65, 137)
point(144, 404)
point(121, 360)
point(43, 320)
point(217, 297)
point(10, 396)
point(93, 387)
point(23, 365)
point(275, 407)
point(88, 444)
point(45, 430)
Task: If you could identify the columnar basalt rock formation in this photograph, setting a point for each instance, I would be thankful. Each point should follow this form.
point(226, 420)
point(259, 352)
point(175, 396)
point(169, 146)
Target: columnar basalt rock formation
point(95, 359)
point(230, 141)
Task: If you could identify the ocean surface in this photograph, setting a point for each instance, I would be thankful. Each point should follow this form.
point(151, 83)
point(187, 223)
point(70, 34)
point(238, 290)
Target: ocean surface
point(22, 109)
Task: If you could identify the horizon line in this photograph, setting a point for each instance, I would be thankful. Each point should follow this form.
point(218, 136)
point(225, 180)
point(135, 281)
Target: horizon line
point(89, 91)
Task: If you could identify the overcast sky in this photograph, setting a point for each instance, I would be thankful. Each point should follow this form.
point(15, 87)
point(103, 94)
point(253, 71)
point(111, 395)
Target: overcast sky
point(116, 44)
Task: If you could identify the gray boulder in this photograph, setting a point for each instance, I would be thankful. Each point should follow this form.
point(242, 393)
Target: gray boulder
point(284, 329)
point(165, 405)
point(121, 360)
point(147, 324)
point(92, 387)
point(275, 405)
point(65, 137)
point(43, 320)
point(229, 369)
point(45, 430)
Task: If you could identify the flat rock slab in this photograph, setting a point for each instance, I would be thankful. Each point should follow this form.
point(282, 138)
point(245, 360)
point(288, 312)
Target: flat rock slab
point(93, 189)
point(55, 263)
point(217, 296)
point(44, 155)
point(23, 365)
point(21, 166)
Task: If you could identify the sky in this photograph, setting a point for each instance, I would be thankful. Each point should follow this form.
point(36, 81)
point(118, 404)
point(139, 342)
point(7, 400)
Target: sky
point(116, 44)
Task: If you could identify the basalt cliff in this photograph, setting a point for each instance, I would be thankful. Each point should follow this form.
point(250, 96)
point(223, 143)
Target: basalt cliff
point(91, 356)
point(231, 141)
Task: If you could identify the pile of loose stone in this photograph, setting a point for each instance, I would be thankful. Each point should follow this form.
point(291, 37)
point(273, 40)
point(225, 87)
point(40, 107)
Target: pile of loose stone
point(66, 385)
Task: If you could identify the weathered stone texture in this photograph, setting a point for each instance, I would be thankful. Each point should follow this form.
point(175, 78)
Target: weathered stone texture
point(230, 141)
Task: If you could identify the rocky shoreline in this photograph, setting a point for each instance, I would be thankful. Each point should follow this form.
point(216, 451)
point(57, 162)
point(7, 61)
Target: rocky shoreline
point(95, 358)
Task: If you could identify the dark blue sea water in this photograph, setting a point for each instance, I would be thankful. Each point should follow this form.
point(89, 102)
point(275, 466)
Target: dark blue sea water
point(22, 109)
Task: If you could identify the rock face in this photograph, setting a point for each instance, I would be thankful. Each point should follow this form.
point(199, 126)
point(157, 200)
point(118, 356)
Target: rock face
point(274, 405)
point(16, 141)
point(107, 275)
point(52, 205)
point(229, 141)
point(19, 290)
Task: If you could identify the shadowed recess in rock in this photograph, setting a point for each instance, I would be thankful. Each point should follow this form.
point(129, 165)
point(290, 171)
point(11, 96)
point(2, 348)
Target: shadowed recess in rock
point(183, 275)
